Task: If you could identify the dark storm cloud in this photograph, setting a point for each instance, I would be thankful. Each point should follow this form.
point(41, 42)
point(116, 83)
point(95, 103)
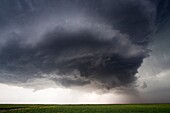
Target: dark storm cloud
point(83, 42)
point(106, 56)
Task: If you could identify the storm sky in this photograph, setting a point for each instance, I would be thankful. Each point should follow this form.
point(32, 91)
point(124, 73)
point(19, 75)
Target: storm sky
point(105, 48)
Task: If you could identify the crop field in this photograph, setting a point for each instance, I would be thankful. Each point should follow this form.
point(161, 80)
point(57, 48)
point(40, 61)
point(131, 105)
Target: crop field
point(115, 108)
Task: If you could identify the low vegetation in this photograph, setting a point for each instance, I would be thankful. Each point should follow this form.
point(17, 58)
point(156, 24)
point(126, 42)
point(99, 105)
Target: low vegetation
point(115, 108)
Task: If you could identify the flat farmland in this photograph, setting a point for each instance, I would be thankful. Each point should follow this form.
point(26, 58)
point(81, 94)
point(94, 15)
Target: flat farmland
point(83, 108)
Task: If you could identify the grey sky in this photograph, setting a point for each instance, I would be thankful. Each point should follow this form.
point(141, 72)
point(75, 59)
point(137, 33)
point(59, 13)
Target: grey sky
point(83, 43)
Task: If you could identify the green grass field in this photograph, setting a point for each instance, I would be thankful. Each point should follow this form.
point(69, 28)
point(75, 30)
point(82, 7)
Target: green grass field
point(125, 108)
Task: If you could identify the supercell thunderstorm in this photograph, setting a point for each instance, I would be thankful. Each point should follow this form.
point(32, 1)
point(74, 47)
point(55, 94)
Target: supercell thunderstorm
point(75, 42)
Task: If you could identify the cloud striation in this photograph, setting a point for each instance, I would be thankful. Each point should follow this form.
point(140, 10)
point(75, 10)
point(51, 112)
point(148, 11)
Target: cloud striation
point(77, 42)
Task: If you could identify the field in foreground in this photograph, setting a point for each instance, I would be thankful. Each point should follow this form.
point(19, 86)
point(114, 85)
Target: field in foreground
point(123, 108)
